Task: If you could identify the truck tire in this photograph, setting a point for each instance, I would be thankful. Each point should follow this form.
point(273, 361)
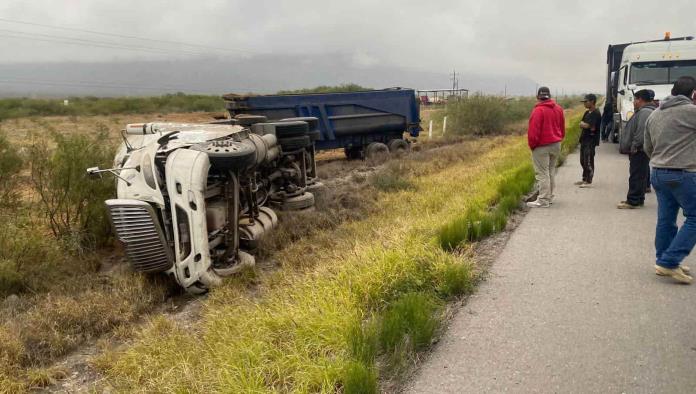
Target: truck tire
point(398, 147)
point(303, 201)
point(377, 152)
point(228, 154)
point(294, 143)
point(244, 260)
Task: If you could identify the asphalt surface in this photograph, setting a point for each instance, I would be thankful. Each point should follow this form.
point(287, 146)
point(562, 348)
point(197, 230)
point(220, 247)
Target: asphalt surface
point(572, 304)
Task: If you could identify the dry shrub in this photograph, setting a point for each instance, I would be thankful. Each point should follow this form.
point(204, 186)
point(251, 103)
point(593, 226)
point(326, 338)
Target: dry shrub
point(71, 202)
point(10, 166)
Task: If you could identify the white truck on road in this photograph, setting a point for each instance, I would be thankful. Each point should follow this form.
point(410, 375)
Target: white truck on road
point(652, 65)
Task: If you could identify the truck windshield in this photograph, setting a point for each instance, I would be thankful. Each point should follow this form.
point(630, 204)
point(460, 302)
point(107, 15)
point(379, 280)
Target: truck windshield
point(661, 73)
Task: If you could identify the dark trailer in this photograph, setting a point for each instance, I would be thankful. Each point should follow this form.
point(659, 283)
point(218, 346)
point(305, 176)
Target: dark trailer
point(360, 122)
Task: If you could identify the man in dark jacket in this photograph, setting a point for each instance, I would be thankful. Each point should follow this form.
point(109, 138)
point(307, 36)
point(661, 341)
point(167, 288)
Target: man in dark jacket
point(544, 136)
point(670, 142)
point(589, 139)
point(632, 143)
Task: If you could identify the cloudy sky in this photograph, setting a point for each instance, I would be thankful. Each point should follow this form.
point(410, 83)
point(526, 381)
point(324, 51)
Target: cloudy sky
point(558, 43)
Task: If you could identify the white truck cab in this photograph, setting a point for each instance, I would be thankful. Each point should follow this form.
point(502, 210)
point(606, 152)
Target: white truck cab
point(654, 65)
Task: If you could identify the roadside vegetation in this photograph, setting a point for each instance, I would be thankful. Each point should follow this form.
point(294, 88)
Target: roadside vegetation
point(346, 87)
point(11, 108)
point(485, 115)
point(54, 241)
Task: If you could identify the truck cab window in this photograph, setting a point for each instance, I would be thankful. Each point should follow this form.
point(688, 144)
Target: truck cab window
point(661, 73)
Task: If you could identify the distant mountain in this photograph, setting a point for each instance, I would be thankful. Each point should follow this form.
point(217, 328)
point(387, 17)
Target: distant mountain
point(259, 74)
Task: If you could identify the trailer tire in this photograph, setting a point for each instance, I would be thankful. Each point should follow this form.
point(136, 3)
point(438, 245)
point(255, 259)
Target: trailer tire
point(303, 201)
point(294, 143)
point(377, 152)
point(398, 147)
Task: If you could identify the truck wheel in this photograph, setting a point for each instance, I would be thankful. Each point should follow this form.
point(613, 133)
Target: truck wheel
point(398, 147)
point(294, 143)
point(377, 152)
point(228, 154)
point(297, 203)
point(244, 260)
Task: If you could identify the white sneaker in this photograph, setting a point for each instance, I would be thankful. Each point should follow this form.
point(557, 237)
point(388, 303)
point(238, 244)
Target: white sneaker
point(537, 204)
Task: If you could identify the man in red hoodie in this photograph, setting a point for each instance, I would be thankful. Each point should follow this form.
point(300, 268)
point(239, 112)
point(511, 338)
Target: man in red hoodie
point(545, 133)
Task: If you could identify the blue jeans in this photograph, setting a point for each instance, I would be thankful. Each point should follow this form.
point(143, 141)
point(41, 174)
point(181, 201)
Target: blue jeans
point(674, 189)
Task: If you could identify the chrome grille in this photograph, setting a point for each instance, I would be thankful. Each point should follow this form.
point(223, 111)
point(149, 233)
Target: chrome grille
point(137, 227)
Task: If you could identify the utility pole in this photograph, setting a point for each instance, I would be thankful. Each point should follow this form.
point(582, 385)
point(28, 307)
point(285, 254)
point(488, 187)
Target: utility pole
point(455, 81)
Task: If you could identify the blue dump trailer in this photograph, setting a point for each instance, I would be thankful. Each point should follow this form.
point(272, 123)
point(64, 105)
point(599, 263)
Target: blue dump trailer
point(364, 124)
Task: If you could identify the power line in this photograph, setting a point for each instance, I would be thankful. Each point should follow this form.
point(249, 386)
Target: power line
point(20, 81)
point(85, 42)
point(121, 35)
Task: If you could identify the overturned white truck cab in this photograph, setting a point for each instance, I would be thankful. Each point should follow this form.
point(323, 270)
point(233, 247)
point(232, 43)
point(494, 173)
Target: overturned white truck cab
point(194, 199)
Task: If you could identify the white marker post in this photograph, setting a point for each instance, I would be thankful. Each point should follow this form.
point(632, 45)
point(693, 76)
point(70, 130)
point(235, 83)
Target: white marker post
point(430, 130)
point(444, 126)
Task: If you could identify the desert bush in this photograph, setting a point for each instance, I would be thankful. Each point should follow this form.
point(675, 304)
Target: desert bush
point(72, 203)
point(483, 115)
point(10, 166)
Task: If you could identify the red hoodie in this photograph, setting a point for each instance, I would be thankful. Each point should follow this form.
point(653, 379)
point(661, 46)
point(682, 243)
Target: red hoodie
point(546, 124)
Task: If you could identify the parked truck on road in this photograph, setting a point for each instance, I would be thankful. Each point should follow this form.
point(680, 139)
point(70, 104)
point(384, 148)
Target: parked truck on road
point(652, 65)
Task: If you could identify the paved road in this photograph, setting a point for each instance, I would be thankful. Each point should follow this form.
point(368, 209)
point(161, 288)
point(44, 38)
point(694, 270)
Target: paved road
point(572, 305)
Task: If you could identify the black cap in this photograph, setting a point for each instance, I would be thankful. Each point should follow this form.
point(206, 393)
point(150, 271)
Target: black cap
point(645, 95)
point(543, 93)
point(590, 97)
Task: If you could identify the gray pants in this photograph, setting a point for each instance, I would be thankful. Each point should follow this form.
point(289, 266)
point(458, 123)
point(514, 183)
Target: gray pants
point(544, 159)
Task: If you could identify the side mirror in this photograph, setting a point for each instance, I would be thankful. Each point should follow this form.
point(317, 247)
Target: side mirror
point(622, 92)
point(94, 172)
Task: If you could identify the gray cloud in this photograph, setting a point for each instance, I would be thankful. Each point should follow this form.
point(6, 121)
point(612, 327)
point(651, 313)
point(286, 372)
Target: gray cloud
point(558, 43)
